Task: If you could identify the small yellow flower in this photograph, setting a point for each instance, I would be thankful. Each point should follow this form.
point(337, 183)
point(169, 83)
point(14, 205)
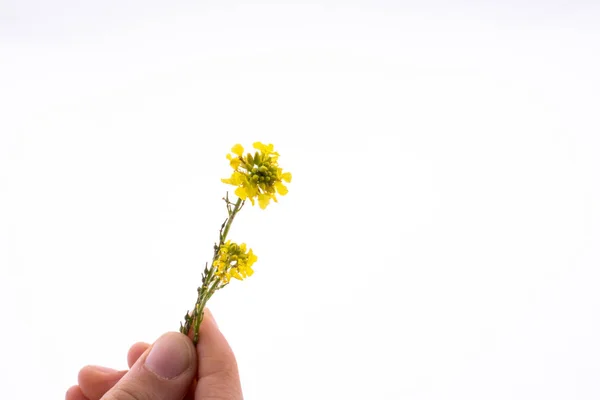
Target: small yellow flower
point(234, 261)
point(258, 176)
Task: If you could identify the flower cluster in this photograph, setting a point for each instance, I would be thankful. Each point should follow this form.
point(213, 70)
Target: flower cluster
point(257, 176)
point(234, 261)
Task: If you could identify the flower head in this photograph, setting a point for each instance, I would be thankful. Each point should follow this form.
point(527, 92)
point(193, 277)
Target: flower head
point(257, 176)
point(234, 261)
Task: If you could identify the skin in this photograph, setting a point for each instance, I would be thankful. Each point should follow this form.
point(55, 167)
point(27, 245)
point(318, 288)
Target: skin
point(215, 375)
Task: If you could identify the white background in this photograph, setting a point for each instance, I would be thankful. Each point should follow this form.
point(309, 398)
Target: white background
point(441, 235)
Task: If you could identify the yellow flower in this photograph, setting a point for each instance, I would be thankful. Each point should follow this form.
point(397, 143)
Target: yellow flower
point(258, 176)
point(234, 261)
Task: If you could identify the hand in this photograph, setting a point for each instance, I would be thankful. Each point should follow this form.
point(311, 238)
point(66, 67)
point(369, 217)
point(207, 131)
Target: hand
point(170, 369)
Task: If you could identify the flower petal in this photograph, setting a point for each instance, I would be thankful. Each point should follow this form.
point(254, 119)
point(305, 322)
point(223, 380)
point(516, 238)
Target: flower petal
point(286, 176)
point(235, 162)
point(241, 193)
point(263, 200)
point(237, 149)
point(251, 258)
point(281, 189)
point(265, 148)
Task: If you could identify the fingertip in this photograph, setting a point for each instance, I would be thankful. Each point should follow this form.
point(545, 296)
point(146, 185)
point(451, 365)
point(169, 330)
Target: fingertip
point(135, 352)
point(85, 374)
point(95, 380)
point(94, 372)
point(75, 393)
point(171, 356)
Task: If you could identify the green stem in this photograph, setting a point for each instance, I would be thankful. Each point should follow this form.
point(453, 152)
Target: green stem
point(236, 208)
point(210, 283)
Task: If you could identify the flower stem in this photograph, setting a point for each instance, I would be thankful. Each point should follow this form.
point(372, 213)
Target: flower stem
point(238, 206)
point(210, 282)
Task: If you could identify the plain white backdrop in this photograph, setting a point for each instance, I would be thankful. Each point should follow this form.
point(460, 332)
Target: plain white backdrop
point(441, 235)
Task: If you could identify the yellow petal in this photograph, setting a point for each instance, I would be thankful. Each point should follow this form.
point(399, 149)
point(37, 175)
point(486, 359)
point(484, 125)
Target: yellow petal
point(286, 177)
point(251, 258)
point(252, 191)
point(236, 274)
point(237, 178)
point(241, 193)
point(235, 163)
point(281, 189)
point(237, 149)
point(265, 148)
point(263, 200)
point(259, 146)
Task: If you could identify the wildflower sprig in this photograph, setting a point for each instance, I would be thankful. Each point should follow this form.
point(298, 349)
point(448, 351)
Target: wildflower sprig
point(257, 177)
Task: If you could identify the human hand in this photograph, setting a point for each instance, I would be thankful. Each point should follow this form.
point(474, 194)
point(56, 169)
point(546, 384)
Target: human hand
point(171, 369)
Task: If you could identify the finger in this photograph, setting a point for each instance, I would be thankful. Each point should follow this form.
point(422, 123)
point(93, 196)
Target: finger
point(75, 393)
point(136, 352)
point(95, 381)
point(164, 372)
point(218, 377)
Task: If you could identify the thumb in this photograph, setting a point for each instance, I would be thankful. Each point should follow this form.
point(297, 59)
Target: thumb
point(164, 372)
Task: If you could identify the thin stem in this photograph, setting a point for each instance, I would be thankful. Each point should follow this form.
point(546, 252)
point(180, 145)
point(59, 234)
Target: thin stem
point(237, 207)
point(210, 282)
